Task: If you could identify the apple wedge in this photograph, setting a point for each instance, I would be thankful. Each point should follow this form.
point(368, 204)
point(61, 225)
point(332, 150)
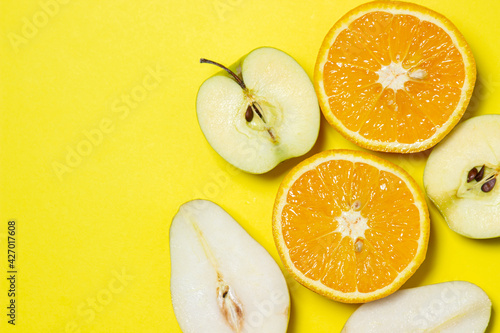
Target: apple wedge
point(222, 280)
point(261, 113)
point(461, 174)
point(453, 307)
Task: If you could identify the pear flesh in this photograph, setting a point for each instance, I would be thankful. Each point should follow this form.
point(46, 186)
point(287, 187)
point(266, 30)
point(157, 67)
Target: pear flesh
point(467, 208)
point(222, 280)
point(280, 90)
point(453, 307)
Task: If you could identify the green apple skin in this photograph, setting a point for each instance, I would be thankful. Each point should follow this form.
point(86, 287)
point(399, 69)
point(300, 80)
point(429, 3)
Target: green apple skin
point(288, 103)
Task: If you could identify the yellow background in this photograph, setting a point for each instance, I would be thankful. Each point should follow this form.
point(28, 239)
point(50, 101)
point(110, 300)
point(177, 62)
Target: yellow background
point(109, 212)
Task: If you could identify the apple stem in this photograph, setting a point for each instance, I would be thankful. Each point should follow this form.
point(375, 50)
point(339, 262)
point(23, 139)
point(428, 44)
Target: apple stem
point(236, 77)
point(253, 106)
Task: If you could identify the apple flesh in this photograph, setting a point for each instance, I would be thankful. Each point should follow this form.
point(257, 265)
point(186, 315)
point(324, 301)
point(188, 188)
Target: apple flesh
point(470, 206)
point(222, 280)
point(270, 116)
point(453, 307)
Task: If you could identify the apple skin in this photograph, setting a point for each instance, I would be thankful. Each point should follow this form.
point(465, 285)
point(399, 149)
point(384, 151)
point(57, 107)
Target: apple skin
point(468, 211)
point(289, 106)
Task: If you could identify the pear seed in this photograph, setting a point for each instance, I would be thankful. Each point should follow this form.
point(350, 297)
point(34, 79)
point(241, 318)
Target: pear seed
point(489, 185)
point(230, 307)
point(472, 175)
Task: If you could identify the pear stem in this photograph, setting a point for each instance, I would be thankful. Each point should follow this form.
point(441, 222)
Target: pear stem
point(236, 77)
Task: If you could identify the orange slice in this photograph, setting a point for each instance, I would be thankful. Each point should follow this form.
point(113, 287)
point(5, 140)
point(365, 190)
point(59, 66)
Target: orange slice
point(394, 76)
point(350, 226)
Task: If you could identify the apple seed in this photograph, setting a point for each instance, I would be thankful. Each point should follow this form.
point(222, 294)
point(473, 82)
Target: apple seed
point(489, 185)
point(472, 175)
point(480, 175)
point(249, 114)
point(256, 107)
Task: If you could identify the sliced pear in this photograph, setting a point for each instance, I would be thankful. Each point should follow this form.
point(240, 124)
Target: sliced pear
point(222, 280)
point(470, 207)
point(453, 307)
point(262, 112)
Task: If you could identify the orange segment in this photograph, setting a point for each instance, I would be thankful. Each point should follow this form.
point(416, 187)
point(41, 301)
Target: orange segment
point(379, 71)
point(353, 106)
point(309, 187)
point(345, 77)
point(444, 68)
point(429, 42)
point(350, 226)
point(372, 30)
point(381, 122)
point(339, 182)
point(391, 194)
point(437, 101)
point(401, 222)
point(364, 184)
point(349, 50)
point(413, 125)
point(297, 233)
point(401, 25)
point(341, 271)
point(373, 270)
point(398, 252)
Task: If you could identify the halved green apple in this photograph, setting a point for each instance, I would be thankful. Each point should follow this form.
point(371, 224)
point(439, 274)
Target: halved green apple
point(461, 177)
point(261, 113)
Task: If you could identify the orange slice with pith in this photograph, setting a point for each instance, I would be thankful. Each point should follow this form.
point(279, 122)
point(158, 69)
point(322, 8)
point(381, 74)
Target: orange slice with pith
point(350, 226)
point(394, 76)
